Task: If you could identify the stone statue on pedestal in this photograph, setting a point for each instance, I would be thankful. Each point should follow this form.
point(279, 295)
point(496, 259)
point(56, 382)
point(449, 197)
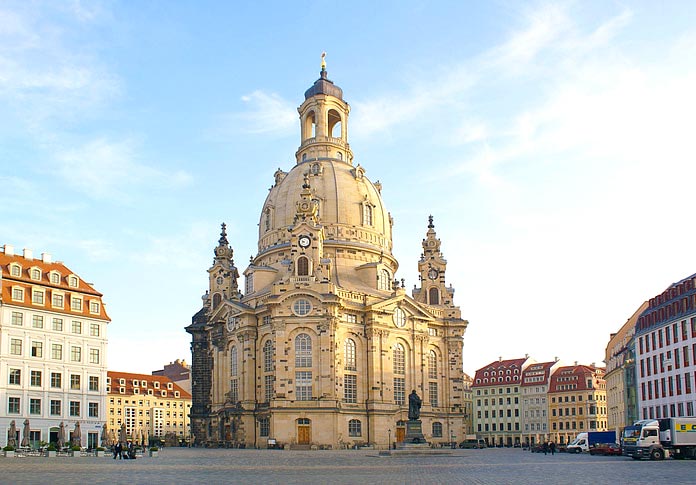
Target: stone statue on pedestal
point(414, 405)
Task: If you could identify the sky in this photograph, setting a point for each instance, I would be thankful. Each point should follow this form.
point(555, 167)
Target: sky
point(553, 143)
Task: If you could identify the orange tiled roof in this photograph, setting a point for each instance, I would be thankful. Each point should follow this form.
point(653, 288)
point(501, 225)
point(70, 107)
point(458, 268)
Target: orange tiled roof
point(129, 377)
point(83, 289)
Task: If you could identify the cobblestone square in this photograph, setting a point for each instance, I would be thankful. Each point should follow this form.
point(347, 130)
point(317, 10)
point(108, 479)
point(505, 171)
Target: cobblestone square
point(212, 466)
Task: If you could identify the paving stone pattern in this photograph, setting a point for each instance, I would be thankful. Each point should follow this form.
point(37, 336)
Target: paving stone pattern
point(212, 466)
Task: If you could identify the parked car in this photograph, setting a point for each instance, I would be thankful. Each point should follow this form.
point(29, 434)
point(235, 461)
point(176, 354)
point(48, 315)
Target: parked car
point(605, 449)
point(473, 444)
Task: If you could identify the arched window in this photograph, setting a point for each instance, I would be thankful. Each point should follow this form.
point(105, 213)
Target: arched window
point(303, 350)
point(434, 296)
point(367, 214)
point(268, 356)
point(354, 428)
point(234, 369)
point(310, 125)
point(383, 278)
point(432, 365)
point(350, 354)
point(302, 266)
point(267, 219)
point(334, 124)
point(216, 300)
point(399, 357)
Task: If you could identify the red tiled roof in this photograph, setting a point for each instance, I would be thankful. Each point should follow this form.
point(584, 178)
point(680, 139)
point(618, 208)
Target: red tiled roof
point(482, 380)
point(149, 379)
point(83, 289)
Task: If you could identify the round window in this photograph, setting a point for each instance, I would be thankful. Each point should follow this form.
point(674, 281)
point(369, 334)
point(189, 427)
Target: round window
point(301, 307)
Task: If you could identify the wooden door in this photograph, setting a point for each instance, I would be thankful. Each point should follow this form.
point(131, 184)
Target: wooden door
point(400, 434)
point(303, 435)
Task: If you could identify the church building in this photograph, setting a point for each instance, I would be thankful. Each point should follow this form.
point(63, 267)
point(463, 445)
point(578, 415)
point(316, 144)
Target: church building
point(322, 345)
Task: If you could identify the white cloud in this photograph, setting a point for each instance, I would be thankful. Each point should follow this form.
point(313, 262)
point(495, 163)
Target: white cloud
point(267, 113)
point(103, 168)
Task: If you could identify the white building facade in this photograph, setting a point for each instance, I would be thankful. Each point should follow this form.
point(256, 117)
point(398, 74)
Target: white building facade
point(665, 346)
point(53, 343)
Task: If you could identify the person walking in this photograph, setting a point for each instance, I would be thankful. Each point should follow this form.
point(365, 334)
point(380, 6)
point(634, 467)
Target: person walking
point(552, 446)
point(545, 447)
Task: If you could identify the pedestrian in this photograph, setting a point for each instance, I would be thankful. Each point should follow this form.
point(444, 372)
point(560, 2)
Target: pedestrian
point(113, 448)
point(545, 447)
point(119, 450)
point(552, 445)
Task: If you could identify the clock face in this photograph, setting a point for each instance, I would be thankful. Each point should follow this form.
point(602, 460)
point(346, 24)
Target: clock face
point(304, 241)
point(219, 280)
point(433, 273)
point(399, 317)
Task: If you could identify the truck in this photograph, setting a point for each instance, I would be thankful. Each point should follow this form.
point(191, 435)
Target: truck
point(584, 441)
point(658, 439)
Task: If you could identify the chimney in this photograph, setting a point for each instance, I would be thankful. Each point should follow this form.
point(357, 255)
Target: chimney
point(500, 359)
point(576, 362)
point(9, 250)
point(28, 254)
point(46, 257)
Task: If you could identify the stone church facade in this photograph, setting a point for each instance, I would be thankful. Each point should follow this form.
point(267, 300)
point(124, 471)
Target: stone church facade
point(323, 346)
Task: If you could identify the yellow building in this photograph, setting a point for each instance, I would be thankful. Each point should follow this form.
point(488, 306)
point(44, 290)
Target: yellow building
point(324, 345)
point(577, 402)
point(147, 408)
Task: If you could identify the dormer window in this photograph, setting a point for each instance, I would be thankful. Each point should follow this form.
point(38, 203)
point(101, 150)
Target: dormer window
point(75, 304)
point(72, 281)
point(157, 385)
point(57, 300)
point(143, 383)
point(149, 392)
point(135, 383)
point(15, 270)
point(136, 390)
point(367, 214)
point(55, 277)
point(121, 382)
point(37, 297)
point(176, 394)
point(18, 293)
point(164, 393)
point(35, 274)
point(170, 385)
point(94, 307)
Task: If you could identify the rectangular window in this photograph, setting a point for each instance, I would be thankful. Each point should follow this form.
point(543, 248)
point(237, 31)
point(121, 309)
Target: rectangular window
point(75, 354)
point(94, 330)
point(37, 349)
point(55, 407)
point(350, 388)
point(57, 300)
point(13, 405)
point(37, 321)
point(264, 427)
point(93, 307)
point(15, 346)
point(399, 391)
point(35, 378)
point(56, 380)
point(16, 377)
point(17, 318)
point(37, 297)
point(74, 408)
point(268, 387)
point(76, 327)
point(93, 383)
point(234, 390)
point(75, 304)
point(34, 406)
point(57, 324)
point(57, 351)
point(303, 385)
point(18, 294)
point(93, 356)
point(432, 393)
point(75, 381)
point(93, 409)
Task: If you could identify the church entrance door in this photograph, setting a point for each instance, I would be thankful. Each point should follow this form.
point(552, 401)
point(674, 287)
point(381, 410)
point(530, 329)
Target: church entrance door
point(303, 431)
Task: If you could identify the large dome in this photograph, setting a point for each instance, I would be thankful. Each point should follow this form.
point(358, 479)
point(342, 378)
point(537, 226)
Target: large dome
point(350, 207)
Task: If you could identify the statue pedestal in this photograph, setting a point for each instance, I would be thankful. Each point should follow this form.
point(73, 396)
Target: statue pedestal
point(414, 438)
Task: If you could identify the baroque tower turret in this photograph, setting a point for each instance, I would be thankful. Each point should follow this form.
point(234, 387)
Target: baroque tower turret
point(324, 346)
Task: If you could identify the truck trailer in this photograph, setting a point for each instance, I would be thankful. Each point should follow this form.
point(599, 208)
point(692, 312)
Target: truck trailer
point(658, 439)
point(585, 441)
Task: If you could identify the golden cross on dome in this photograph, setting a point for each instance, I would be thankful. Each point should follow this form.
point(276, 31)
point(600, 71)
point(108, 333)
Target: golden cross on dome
point(323, 61)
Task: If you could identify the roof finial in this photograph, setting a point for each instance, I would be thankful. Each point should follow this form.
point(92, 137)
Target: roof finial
point(323, 61)
point(430, 222)
point(223, 236)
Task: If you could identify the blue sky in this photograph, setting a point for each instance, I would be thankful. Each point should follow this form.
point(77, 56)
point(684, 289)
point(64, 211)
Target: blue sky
point(552, 142)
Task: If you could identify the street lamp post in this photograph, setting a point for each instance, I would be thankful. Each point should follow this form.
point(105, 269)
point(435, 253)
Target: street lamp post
point(389, 442)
